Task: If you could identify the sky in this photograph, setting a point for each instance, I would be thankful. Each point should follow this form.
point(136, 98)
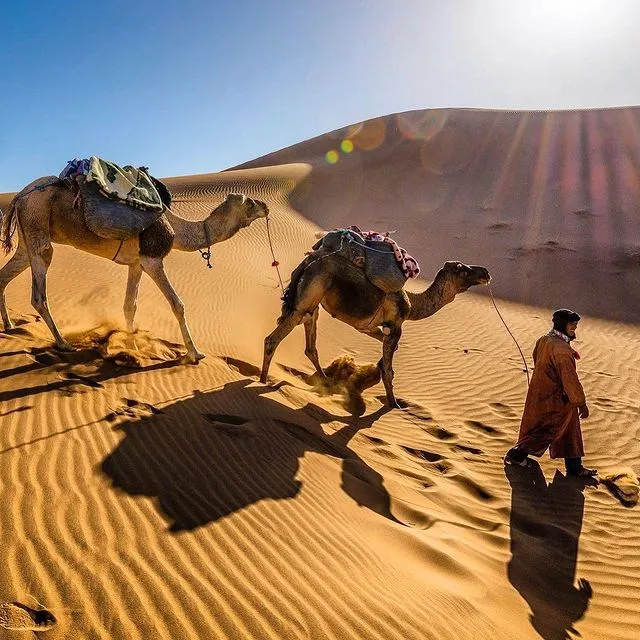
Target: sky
point(198, 86)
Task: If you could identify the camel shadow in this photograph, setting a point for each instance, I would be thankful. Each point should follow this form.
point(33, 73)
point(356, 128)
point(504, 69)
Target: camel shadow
point(218, 452)
point(546, 521)
point(63, 364)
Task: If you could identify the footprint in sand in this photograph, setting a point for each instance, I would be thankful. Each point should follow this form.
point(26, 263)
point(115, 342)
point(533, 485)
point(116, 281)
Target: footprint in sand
point(429, 456)
point(422, 416)
point(233, 425)
point(614, 406)
point(503, 409)
point(467, 449)
point(473, 488)
point(480, 426)
point(16, 616)
point(134, 409)
point(440, 433)
point(415, 410)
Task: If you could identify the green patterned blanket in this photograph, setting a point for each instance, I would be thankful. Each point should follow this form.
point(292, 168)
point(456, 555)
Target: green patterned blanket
point(126, 184)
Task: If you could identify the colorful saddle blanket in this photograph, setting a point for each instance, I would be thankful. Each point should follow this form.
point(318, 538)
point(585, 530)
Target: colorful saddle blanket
point(127, 184)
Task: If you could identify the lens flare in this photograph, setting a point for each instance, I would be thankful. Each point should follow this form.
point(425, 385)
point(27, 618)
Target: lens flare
point(331, 156)
point(369, 135)
point(421, 125)
point(346, 146)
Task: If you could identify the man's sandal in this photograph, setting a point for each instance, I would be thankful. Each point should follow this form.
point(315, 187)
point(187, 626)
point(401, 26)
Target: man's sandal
point(585, 473)
point(516, 463)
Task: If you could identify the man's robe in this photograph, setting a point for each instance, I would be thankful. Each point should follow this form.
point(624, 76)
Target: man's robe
point(550, 417)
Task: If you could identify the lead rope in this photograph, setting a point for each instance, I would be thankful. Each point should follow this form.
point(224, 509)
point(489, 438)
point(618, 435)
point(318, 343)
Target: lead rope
point(275, 263)
point(509, 330)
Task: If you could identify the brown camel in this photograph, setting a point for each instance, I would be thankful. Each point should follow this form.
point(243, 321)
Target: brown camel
point(345, 292)
point(48, 215)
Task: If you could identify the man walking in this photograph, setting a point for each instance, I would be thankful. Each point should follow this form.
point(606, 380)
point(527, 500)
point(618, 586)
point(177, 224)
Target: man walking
point(555, 401)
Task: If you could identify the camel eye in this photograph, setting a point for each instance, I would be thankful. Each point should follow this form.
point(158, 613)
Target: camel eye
point(251, 202)
point(459, 266)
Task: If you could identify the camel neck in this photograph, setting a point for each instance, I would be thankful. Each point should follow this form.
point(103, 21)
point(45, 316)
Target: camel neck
point(189, 235)
point(437, 295)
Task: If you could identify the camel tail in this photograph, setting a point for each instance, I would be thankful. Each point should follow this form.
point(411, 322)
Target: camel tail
point(8, 226)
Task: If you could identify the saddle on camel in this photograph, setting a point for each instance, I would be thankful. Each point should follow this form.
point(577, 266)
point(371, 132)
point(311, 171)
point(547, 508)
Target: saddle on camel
point(386, 265)
point(117, 202)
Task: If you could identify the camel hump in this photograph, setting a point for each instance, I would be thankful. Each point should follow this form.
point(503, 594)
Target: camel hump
point(382, 267)
point(112, 219)
point(379, 257)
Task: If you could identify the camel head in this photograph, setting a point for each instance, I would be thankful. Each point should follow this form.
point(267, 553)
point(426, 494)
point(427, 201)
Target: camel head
point(242, 209)
point(462, 276)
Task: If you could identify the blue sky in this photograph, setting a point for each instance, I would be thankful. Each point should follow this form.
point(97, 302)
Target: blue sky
point(197, 86)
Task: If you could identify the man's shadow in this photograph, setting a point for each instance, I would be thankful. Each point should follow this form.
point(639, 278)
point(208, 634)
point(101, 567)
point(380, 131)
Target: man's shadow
point(546, 520)
point(210, 455)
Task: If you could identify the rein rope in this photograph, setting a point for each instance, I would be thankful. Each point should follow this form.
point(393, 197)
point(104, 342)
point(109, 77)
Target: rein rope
point(526, 368)
point(275, 263)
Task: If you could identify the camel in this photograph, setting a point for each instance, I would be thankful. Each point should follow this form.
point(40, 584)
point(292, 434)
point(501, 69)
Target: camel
point(341, 287)
point(44, 213)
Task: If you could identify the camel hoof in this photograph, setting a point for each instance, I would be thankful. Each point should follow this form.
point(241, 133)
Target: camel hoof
point(8, 327)
point(193, 358)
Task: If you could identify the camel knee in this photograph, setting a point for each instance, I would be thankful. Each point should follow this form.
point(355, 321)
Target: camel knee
point(38, 300)
point(47, 255)
point(269, 346)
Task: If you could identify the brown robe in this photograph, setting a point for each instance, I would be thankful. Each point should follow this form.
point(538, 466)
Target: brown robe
point(550, 417)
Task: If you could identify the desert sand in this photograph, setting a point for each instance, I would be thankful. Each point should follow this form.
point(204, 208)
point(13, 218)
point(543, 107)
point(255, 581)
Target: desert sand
point(178, 501)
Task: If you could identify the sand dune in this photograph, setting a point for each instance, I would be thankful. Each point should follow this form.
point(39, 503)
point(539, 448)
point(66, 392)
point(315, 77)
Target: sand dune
point(547, 199)
point(173, 501)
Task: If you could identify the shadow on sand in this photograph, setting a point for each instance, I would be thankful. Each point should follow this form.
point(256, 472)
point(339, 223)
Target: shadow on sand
point(48, 362)
point(546, 520)
point(210, 455)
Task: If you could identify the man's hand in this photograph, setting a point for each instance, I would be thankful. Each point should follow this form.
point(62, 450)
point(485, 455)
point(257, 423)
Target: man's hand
point(583, 411)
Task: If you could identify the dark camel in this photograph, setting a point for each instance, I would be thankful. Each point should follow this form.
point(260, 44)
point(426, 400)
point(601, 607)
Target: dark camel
point(344, 291)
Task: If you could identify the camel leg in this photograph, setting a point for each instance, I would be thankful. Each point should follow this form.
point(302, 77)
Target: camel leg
point(155, 269)
point(311, 334)
point(286, 325)
point(309, 294)
point(389, 346)
point(39, 265)
point(131, 297)
point(18, 262)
